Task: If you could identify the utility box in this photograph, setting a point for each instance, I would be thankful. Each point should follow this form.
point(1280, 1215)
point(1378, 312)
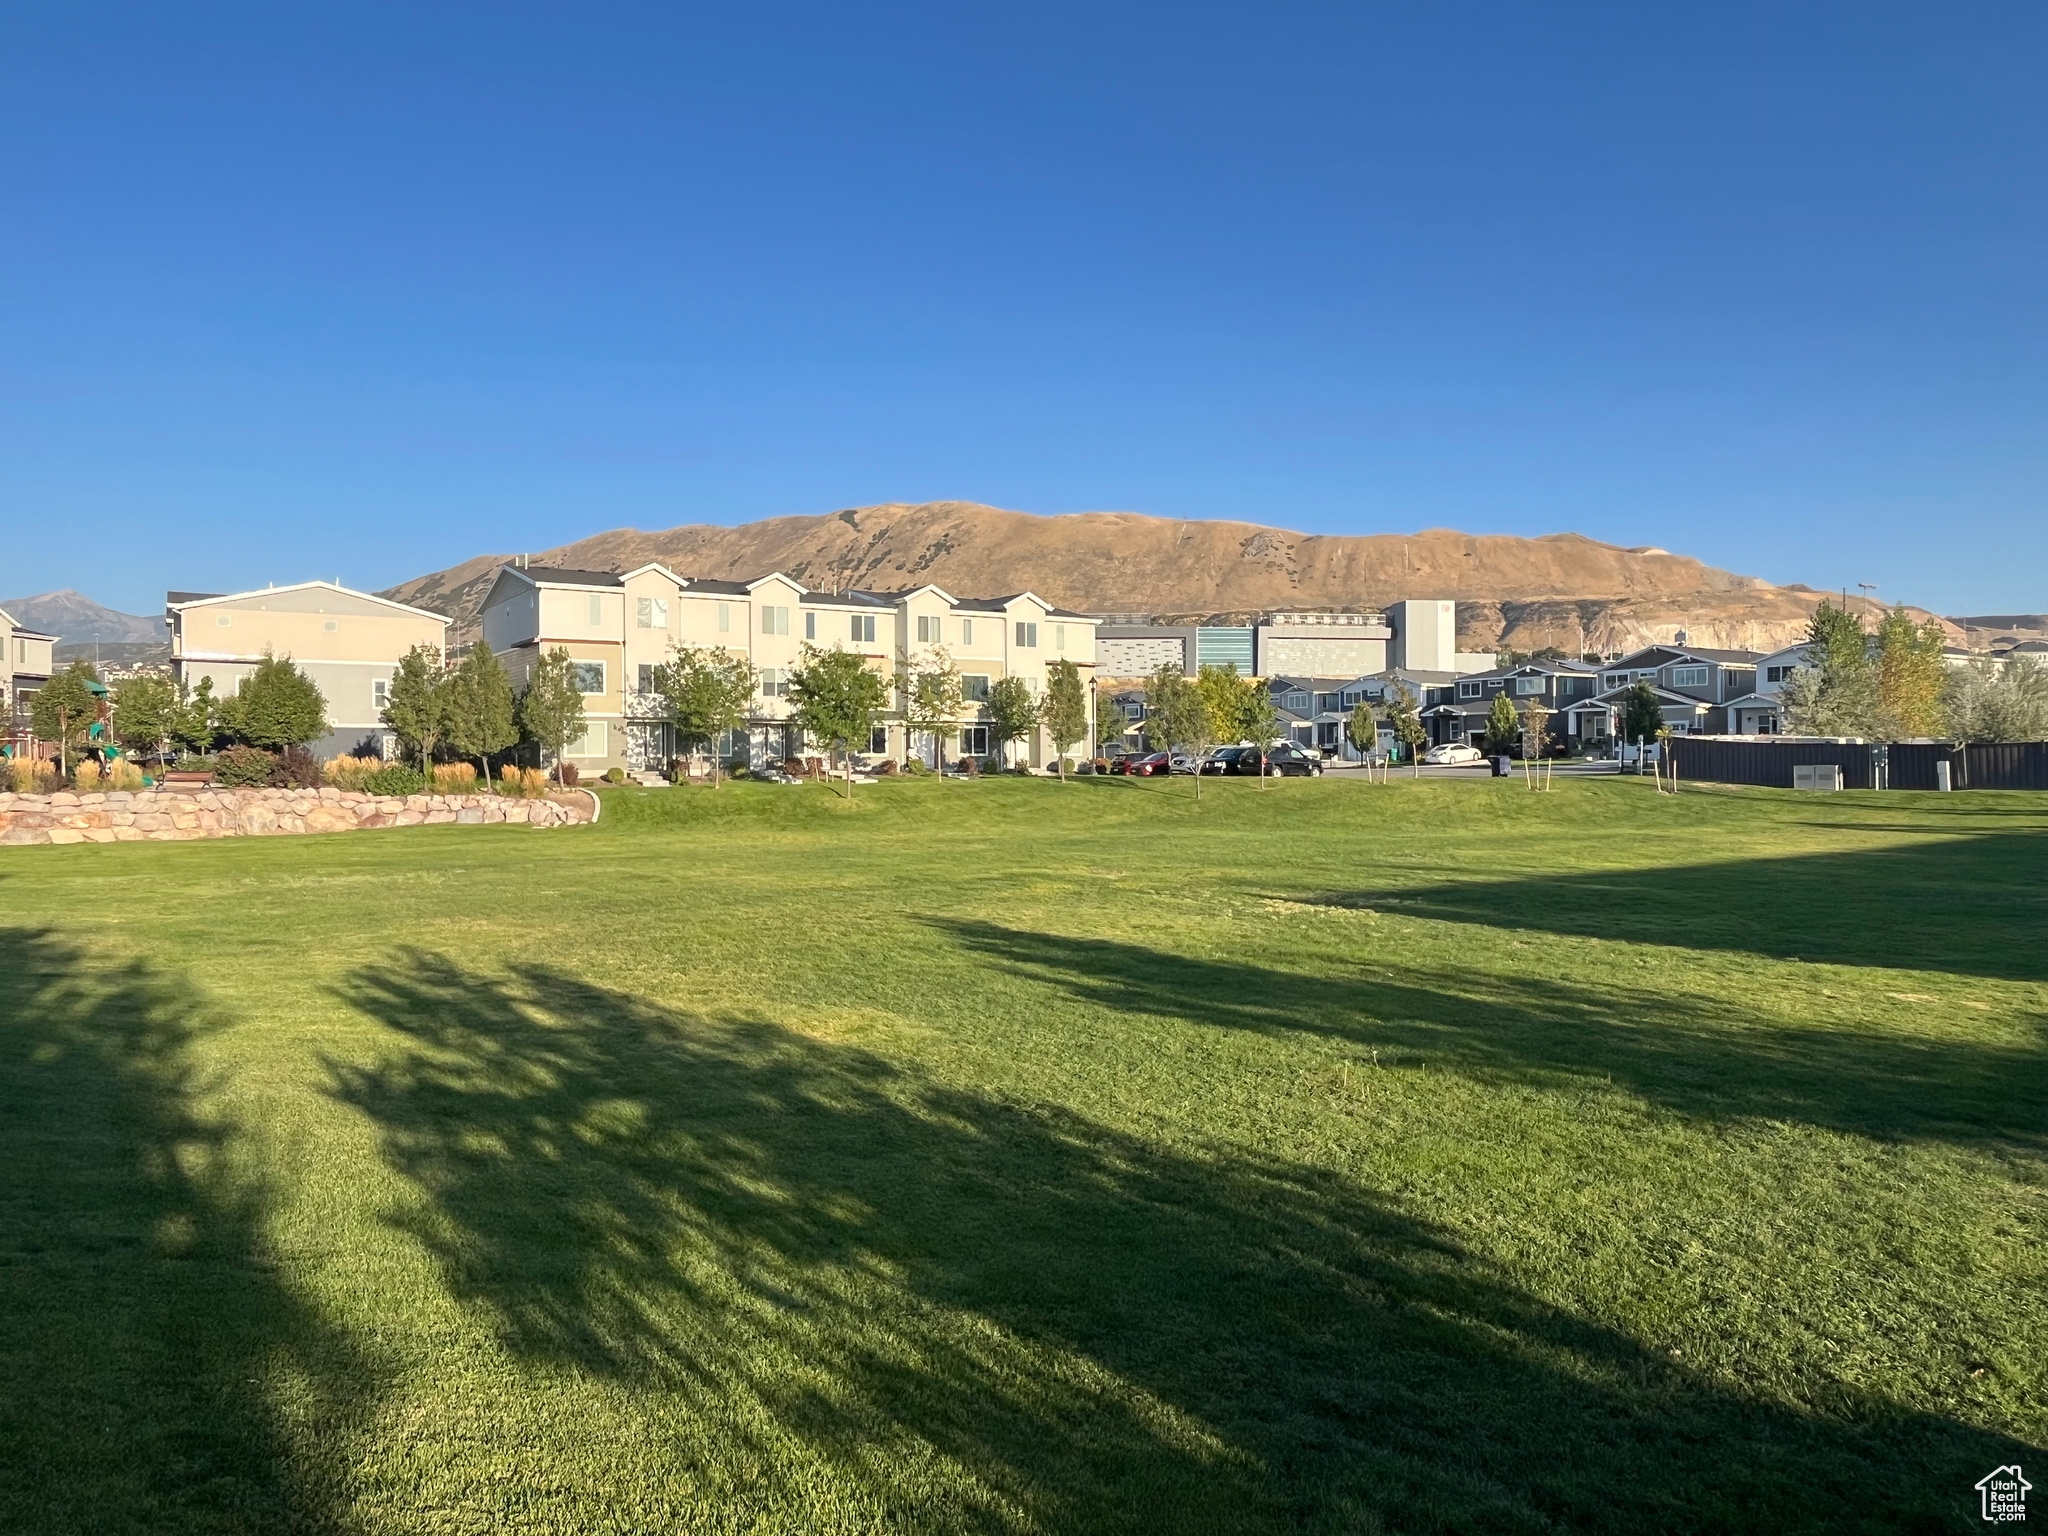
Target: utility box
point(1816, 775)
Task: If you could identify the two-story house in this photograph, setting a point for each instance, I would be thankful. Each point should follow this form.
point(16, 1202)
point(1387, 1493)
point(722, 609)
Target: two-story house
point(617, 629)
point(1457, 712)
point(1759, 712)
point(349, 643)
point(25, 665)
point(1694, 688)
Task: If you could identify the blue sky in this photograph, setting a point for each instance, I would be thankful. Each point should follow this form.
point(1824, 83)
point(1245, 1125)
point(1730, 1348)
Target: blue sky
point(361, 291)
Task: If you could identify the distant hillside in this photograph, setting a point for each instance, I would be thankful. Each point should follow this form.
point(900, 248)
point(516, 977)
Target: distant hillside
point(75, 618)
point(1510, 591)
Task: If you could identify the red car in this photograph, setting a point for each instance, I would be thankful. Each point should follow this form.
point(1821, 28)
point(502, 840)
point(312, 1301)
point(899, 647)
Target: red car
point(1151, 764)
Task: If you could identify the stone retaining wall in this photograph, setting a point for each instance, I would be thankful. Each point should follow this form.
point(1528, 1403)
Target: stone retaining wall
point(184, 812)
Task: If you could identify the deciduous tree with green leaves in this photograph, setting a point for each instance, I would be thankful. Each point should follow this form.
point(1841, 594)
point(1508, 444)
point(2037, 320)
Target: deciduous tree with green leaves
point(1014, 712)
point(707, 691)
point(1642, 717)
point(416, 704)
point(551, 708)
point(63, 711)
point(1998, 699)
point(837, 698)
point(276, 706)
point(192, 725)
point(1262, 725)
point(1406, 720)
point(1110, 722)
point(1066, 710)
point(1503, 726)
point(146, 709)
point(1834, 692)
point(933, 697)
point(1911, 676)
point(1361, 729)
point(482, 717)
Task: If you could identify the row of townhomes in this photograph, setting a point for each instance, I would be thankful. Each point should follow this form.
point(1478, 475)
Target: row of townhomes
point(25, 665)
point(617, 628)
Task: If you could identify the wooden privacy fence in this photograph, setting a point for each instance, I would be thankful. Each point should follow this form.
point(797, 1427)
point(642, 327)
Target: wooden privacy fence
point(1769, 761)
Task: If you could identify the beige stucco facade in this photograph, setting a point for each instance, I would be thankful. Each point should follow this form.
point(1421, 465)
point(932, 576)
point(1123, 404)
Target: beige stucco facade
point(644, 615)
point(25, 665)
point(348, 642)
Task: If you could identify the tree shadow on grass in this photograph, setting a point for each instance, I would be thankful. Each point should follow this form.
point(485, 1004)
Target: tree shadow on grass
point(141, 1321)
point(1697, 1057)
point(860, 1299)
point(1971, 906)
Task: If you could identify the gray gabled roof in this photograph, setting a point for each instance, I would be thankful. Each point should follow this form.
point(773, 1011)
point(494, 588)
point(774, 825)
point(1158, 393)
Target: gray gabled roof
point(564, 577)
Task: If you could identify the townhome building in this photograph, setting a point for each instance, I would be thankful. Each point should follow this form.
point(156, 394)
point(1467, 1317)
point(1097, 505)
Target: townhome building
point(348, 643)
point(1695, 688)
point(1760, 711)
point(25, 665)
point(618, 628)
point(1457, 712)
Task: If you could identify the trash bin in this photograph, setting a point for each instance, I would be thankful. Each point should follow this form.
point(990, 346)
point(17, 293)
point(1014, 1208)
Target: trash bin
point(1503, 766)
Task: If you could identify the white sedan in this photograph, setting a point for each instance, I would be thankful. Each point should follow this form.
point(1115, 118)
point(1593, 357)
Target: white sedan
point(1452, 755)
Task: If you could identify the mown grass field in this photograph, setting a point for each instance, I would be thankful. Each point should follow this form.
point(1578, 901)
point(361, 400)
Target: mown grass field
point(1006, 1156)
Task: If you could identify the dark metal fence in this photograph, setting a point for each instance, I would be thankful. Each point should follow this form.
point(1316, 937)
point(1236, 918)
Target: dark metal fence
point(1769, 760)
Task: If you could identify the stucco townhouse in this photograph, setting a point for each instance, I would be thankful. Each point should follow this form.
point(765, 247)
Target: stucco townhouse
point(25, 665)
point(618, 627)
point(348, 642)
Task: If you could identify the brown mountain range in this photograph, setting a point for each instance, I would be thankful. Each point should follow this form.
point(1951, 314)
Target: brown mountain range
point(1525, 593)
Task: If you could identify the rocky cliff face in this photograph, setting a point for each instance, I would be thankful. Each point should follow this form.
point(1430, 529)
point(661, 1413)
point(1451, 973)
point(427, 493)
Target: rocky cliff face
point(1525, 593)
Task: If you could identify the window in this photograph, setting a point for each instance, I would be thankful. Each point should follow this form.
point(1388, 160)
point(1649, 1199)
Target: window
point(1027, 636)
point(1614, 680)
point(863, 629)
point(1688, 677)
point(594, 742)
point(810, 626)
point(928, 629)
point(1295, 700)
point(330, 626)
point(1469, 690)
point(1059, 637)
point(588, 677)
point(774, 682)
point(974, 689)
point(1528, 685)
point(1777, 674)
point(646, 677)
point(1326, 701)
point(724, 617)
point(966, 632)
point(653, 613)
point(380, 693)
point(974, 741)
point(774, 620)
point(878, 739)
point(596, 612)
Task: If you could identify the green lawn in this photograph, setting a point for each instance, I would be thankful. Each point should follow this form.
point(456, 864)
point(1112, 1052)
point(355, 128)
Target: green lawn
point(1013, 1156)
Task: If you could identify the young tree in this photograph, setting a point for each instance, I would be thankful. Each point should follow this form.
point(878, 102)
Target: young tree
point(146, 711)
point(708, 690)
point(551, 710)
point(1503, 726)
point(1261, 724)
point(1835, 691)
point(1999, 700)
point(932, 697)
point(1362, 730)
point(1013, 712)
point(1407, 723)
point(1110, 722)
point(1641, 715)
point(1066, 711)
point(1176, 714)
point(416, 708)
point(837, 698)
point(64, 709)
point(1535, 722)
point(276, 706)
point(480, 712)
point(1910, 676)
point(192, 724)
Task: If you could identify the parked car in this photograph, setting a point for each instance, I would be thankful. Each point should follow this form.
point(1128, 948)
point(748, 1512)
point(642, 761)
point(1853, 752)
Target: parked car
point(1453, 755)
point(1294, 762)
point(1145, 767)
point(1182, 763)
point(1286, 760)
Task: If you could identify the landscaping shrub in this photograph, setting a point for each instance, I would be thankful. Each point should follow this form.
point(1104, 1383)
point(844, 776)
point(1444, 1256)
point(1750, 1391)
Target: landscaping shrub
point(526, 783)
point(31, 775)
point(194, 762)
point(296, 769)
point(85, 778)
point(886, 768)
point(915, 766)
point(397, 779)
point(350, 773)
point(122, 774)
point(241, 767)
point(615, 775)
point(570, 776)
point(455, 779)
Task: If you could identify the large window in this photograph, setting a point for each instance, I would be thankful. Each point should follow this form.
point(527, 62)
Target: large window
point(974, 741)
point(587, 676)
point(878, 739)
point(1528, 685)
point(1470, 690)
point(1688, 677)
point(594, 742)
point(863, 629)
point(774, 620)
point(1296, 701)
point(1777, 674)
point(652, 613)
point(1614, 680)
point(929, 629)
point(1027, 636)
point(974, 688)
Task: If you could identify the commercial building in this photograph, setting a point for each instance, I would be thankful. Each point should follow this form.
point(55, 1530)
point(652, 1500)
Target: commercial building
point(1416, 635)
